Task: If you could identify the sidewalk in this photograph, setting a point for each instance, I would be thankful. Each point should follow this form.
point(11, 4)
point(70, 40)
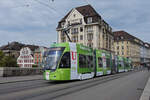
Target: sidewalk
point(146, 92)
point(4, 80)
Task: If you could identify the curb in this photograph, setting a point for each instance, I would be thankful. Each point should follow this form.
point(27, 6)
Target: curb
point(146, 93)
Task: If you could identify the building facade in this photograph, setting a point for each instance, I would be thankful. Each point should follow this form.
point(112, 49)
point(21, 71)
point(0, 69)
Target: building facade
point(25, 60)
point(146, 53)
point(13, 53)
point(13, 48)
point(142, 52)
point(128, 46)
point(85, 26)
point(38, 56)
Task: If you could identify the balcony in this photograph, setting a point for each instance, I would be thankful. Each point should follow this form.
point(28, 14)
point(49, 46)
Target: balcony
point(90, 37)
point(75, 22)
point(90, 31)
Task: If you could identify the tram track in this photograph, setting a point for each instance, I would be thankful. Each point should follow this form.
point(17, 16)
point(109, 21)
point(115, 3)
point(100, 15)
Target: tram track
point(6, 89)
point(56, 89)
point(22, 86)
point(78, 87)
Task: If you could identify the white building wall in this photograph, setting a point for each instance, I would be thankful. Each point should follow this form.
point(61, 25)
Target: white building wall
point(25, 60)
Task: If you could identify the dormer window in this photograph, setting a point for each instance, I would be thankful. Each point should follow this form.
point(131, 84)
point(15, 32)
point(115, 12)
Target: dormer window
point(81, 20)
point(62, 24)
point(121, 37)
point(74, 15)
point(89, 20)
point(68, 22)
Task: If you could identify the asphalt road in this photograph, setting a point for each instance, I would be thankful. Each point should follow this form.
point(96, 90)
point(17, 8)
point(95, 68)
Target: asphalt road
point(124, 86)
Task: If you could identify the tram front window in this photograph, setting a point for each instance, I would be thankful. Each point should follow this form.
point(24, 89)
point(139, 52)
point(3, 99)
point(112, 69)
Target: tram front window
point(65, 61)
point(52, 58)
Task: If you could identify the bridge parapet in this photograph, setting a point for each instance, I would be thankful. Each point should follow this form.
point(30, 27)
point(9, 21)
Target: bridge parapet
point(16, 71)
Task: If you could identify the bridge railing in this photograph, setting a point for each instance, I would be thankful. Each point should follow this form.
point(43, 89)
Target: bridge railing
point(16, 71)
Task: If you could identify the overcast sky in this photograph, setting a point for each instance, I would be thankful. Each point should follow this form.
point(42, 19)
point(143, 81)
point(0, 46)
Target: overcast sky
point(35, 21)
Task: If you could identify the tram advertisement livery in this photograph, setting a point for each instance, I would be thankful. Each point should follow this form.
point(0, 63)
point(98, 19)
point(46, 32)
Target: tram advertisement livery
point(72, 61)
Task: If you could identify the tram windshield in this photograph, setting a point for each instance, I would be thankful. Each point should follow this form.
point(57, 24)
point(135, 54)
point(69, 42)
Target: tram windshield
point(53, 57)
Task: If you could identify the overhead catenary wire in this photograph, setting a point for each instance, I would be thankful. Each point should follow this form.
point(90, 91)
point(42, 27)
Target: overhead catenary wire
point(65, 31)
point(26, 5)
point(47, 5)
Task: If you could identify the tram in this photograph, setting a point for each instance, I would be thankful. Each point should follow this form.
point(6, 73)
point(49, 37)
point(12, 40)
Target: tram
point(72, 61)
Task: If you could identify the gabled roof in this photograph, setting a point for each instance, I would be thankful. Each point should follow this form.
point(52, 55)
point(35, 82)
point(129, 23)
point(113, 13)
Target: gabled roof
point(63, 19)
point(86, 11)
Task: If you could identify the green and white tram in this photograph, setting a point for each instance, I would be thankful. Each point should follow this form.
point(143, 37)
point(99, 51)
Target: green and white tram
point(69, 61)
point(103, 63)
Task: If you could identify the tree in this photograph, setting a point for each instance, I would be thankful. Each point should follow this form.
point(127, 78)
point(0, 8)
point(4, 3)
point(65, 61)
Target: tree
point(1, 57)
point(7, 61)
point(1, 54)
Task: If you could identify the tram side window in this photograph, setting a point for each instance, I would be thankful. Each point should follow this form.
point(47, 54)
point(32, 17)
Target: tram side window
point(120, 65)
point(108, 62)
point(90, 61)
point(82, 61)
point(125, 64)
point(65, 61)
point(100, 62)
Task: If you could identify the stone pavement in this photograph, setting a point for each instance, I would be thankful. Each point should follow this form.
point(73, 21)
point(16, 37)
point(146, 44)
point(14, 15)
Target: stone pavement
point(4, 80)
point(146, 92)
